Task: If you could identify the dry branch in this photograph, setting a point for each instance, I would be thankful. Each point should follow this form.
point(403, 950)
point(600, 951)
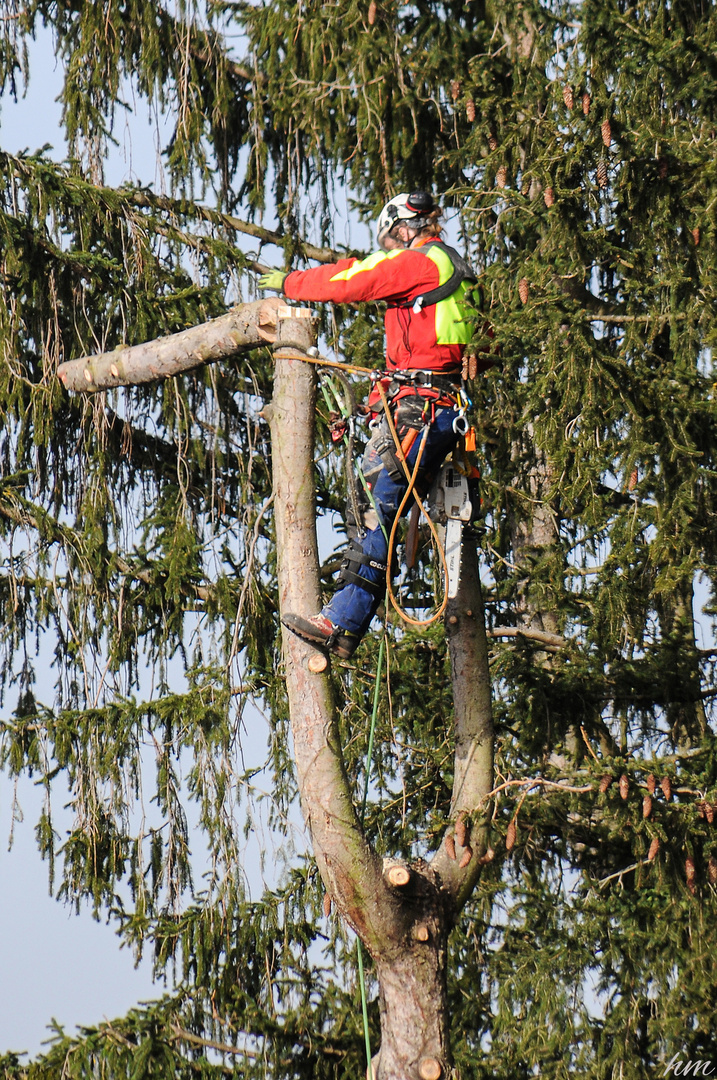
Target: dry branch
point(528, 632)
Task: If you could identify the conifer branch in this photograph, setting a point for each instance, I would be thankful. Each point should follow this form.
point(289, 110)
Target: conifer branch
point(18, 510)
point(144, 198)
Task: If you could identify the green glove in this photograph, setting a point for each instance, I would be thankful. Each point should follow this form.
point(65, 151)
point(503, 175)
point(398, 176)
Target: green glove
point(273, 280)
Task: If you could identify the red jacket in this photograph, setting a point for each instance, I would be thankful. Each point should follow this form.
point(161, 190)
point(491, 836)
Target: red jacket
point(432, 338)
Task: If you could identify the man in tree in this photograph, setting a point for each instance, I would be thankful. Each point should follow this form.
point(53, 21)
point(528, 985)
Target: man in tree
point(427, 324)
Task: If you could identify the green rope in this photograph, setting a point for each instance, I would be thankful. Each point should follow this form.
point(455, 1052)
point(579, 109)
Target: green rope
point(372, 730)
point(364, 1009)
point(374, 714)
point(369, 759)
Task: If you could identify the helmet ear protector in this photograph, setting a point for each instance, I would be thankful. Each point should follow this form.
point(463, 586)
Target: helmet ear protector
point(404, 208)
point(421, 202)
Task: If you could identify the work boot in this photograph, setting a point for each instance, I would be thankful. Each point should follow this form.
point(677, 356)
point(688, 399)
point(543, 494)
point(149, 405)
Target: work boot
point(320, 631)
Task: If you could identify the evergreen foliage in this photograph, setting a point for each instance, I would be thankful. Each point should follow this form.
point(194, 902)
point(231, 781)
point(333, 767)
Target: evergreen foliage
point(576, 146)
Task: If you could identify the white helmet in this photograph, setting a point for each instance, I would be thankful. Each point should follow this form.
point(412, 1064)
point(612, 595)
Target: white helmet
point(404, 207)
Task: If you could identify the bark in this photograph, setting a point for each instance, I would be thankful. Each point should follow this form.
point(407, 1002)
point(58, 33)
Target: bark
point(403, 926)
point(351, 872)
point(473, 765)
point(244, 327)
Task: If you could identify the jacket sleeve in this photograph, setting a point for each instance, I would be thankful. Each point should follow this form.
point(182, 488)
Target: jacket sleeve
point(393, 275)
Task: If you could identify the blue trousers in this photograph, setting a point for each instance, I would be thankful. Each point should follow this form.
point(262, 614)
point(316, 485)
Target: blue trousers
point(352, 607)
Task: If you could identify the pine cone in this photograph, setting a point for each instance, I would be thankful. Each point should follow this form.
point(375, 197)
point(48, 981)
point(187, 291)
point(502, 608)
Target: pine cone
point(624, 786)
point(568, 97)
point(461, 830)
point(501, 177)
point(631, 485)
point(690, 873)
point(654, 848)
point(450, 845)
point(372, 13)
point(466, 857)
point(712, 870)
point(549, 197)
point(666, 786)
point(471, 110)
point(586, 101)
point(605, 783)
point(602, 174)
point(606, 132)
point(662, 168)
point(696, 235)
point(524, 290)
point(327, 905)
point(651, 782)
point(492, 141)
point(469, 368)
point(647, 806)
point(455, 89)
point(710, 813)
point(510, 836)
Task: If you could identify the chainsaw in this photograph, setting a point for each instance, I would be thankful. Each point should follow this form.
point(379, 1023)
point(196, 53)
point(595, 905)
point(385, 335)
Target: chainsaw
point(453, 502)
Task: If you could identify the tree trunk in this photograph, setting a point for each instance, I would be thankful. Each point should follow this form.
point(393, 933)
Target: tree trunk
point(403, 915)
point(244, 327)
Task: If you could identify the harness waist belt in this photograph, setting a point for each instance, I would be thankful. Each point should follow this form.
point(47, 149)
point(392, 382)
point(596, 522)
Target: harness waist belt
point(430, 379)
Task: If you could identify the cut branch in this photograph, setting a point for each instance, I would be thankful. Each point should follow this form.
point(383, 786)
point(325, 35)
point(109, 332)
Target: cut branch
point(245, 327)
point(397, 876)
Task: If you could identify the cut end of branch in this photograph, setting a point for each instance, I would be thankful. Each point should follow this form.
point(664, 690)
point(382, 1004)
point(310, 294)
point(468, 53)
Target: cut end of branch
point(421, 933)
point(430, 1068)
point(397, 876)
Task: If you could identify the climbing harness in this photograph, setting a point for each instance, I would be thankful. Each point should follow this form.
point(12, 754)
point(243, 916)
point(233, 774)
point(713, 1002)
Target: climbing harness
point(446, 537)
point(410, 492)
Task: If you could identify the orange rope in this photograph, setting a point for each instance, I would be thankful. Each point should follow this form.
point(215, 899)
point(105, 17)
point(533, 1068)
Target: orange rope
point(410, 490)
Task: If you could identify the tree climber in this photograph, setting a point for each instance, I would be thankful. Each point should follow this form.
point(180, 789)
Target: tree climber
point(427, 329)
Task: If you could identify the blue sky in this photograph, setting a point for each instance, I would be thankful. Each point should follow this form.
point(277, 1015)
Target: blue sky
point(53, 962)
